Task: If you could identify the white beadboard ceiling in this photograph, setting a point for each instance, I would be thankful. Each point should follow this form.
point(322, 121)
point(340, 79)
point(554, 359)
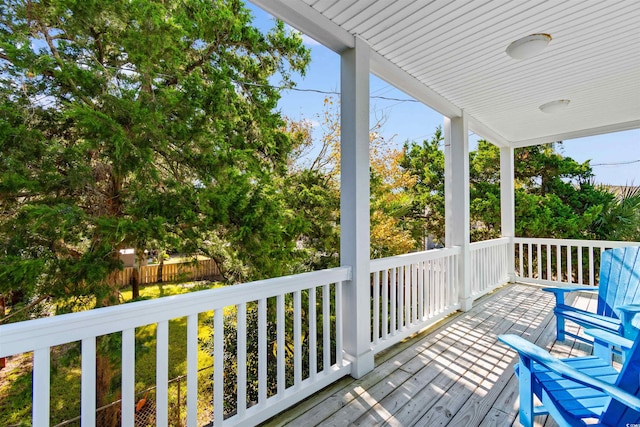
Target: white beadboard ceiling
point(450, 54)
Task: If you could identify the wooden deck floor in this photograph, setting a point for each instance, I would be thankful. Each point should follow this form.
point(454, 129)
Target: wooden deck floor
point(455, 374)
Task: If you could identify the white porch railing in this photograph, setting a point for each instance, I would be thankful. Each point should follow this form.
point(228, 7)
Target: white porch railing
point(297, 301)
point(408, 293)
point(561, 261)
point(411, 292)
point(489, 265)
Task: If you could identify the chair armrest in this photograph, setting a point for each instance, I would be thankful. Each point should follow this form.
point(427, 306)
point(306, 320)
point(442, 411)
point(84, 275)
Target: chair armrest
point(526, 350)
point(560, 292)
point(566, 289)
point(628, 313)
point(610, 338)
point(630, 308)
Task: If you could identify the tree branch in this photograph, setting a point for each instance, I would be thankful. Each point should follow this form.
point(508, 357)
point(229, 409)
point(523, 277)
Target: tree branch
point(33, 304)
point(61, 62)
point(189, 68)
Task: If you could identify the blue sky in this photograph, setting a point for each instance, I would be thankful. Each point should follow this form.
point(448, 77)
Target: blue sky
point(615, 157)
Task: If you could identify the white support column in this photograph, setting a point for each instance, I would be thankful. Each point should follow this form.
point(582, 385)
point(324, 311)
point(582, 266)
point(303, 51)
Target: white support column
point(507, 205)
point(456, 136)
point(354, 205)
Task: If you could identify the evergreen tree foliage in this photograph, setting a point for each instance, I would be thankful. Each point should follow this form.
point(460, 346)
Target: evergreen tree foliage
point(424, 162)
point(146, 124)
point(555, 196)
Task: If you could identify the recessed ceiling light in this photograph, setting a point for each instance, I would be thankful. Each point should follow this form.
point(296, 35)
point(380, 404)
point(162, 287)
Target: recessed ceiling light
point(555, 106)
point(528, 46)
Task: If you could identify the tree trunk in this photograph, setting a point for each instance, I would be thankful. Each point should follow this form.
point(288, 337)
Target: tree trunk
point(107, 417)
point(160, 266)
point(107, 349)
point(3, 361)
point(135, 283)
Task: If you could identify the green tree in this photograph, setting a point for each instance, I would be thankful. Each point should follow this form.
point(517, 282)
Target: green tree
point(553, 198)
point(555, 195)
point(315, 199)
point(425, 164)
point(137, 123)
point(620, 216)
point(314, 191)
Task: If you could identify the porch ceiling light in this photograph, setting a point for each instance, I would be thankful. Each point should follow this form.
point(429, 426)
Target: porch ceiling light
point(555, 106)
point(529, 46)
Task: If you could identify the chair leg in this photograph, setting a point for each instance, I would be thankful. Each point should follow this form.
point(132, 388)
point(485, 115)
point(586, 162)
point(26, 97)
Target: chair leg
point(603, 350)
point(560, 336)
point(526, 392)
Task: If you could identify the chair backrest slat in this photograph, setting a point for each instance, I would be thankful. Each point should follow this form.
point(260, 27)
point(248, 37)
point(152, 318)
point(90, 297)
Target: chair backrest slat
point(620, 285)
point(619, 280)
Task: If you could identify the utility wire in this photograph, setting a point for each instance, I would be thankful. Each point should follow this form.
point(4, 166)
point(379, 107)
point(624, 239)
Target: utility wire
point(324, 92)
point(617, 164)
point(327, 92)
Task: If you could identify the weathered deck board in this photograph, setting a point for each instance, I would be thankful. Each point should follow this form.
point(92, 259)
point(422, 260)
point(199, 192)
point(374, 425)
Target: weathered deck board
point(455, 374)
point(458, 402)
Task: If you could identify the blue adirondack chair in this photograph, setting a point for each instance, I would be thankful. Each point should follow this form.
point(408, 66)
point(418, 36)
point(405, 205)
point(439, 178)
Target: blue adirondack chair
point(618, 297)
point(577, 391)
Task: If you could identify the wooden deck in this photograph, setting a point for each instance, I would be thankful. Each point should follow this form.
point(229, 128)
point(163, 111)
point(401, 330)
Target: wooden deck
point(455, 374)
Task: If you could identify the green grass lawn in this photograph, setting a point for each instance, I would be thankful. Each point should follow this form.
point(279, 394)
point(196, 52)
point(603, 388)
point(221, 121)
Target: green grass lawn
point(16, 382)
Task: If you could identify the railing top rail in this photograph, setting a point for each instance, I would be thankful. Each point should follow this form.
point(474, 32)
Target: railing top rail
point(47, 332)
point(405, 259)
point(575, 242)
point(489, 243)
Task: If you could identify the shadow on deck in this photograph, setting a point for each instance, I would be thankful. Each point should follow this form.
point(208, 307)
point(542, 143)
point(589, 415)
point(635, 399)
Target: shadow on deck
point(455, 374)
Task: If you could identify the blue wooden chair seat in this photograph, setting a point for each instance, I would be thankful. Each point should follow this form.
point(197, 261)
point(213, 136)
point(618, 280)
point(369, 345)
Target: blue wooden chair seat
point(577, 391)
point(618, 297)
point(580, 400)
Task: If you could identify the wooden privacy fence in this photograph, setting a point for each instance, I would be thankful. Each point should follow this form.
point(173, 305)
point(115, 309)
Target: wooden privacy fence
point(203, 269)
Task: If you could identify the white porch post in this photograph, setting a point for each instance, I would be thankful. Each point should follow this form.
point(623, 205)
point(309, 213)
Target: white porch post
point(354, 205)
point(456, 137)
point(507, 205)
